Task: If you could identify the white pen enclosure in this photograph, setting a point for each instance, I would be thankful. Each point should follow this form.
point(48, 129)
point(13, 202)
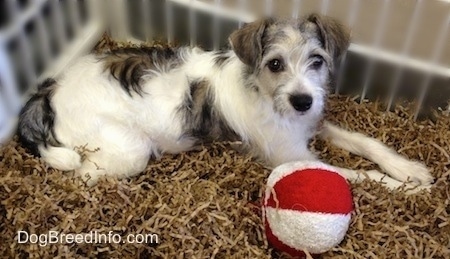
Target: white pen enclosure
point(400, 48)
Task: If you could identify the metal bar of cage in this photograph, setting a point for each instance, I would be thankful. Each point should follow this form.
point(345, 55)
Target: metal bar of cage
point(19, 21)
point(74, 16)
point(243, 4)
point(268, 7)
point(209, 8)
point(379, 33)
point(411, 32)
point(10, 100)
point(9, 93)
point(192, 25)
point(296, 4)
point(324, 6)
point(87, 38)
point(216, 26)
point(23, 43)
point(169, 21)
point(438, 49)
point(58, 21)
point(43, 40)
point(148, 29)
point(118, 19)
point(397, 59)
point(351, 21)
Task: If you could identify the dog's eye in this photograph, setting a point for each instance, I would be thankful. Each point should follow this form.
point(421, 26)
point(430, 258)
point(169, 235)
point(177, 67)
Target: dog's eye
point(275, 65)
point(317, 62)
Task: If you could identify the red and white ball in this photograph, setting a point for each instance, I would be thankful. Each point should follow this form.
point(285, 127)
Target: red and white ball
point(307, 207)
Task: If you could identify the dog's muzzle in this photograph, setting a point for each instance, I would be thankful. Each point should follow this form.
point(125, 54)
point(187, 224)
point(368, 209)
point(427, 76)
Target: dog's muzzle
point(301, 102)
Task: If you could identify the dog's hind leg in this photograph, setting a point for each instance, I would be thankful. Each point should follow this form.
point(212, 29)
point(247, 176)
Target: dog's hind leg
point(120, 151)
point(391, 162)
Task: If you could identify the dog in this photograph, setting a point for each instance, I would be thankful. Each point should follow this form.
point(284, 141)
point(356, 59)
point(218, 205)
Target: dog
point(268, 91)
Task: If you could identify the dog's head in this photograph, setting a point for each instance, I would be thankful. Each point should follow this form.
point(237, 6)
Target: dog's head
point(292, 61)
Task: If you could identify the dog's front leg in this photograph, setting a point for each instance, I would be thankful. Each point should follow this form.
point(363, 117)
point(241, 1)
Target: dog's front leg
point(389, 161)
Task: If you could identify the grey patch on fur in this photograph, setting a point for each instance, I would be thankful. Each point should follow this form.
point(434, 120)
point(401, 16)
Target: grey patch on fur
point(203, 122)
point(37, 118)
point(129, 65)
point(334, 37)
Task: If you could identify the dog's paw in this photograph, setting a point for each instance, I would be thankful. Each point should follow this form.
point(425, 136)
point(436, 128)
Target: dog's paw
point(409, 171)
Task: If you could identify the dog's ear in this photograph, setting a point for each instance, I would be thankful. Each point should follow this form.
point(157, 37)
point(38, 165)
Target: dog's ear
point(334, 36)
point(247, 42)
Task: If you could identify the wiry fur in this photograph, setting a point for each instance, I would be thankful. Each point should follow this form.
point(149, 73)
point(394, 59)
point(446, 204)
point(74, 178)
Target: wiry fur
point(203, 121)
point(129, 65)
point(135, 104)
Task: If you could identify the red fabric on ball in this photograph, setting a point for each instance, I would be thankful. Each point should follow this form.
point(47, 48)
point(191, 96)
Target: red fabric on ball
point(313, 190)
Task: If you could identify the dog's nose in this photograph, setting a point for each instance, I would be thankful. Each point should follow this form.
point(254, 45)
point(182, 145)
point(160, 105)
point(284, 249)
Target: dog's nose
point(301, 102)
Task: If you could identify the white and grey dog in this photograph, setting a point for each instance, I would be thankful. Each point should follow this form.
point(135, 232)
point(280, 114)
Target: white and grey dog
point(268, 92)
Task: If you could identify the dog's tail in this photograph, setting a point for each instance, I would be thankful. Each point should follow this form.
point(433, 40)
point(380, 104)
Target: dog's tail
point(36, 133)
point(389, 161)
point(60, 157)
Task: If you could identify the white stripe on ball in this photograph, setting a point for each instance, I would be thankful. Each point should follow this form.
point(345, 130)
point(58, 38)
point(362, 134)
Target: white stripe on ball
point(311, 231)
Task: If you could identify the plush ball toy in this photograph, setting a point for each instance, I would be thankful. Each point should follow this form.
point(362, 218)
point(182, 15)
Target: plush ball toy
point(307, 207)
